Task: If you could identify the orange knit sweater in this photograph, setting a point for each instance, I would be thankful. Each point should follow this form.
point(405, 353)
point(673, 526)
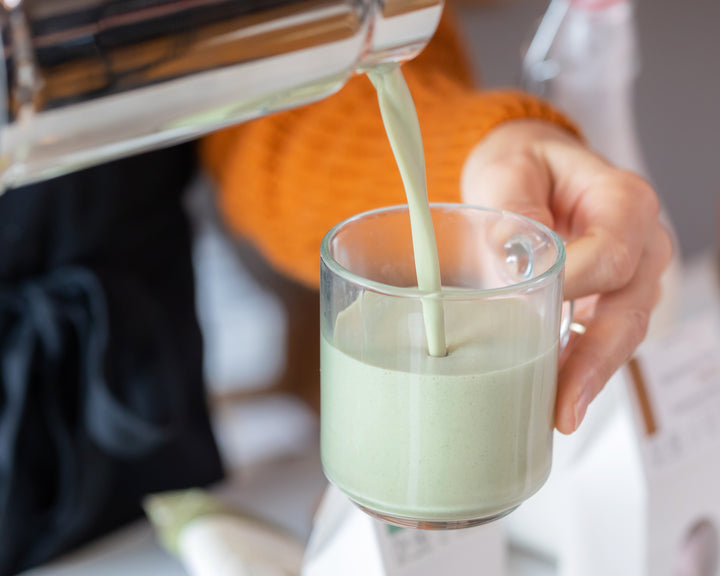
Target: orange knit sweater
point(286, 179)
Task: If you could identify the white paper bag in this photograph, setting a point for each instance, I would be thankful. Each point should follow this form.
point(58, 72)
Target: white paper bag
point(347, 541)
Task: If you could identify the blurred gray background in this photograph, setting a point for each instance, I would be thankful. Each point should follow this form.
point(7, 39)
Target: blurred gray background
point(677, 97)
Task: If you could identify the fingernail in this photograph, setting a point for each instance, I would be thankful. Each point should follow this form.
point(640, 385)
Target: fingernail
point(581, 407)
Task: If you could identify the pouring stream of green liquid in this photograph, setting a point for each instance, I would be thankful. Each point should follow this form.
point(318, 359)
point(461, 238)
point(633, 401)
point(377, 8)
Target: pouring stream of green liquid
point(403, 130)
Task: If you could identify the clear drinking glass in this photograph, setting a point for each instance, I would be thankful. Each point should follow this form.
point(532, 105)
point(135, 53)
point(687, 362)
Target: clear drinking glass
point(440, 442)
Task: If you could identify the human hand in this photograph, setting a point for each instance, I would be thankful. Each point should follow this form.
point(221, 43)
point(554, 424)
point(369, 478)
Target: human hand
point(617, 248)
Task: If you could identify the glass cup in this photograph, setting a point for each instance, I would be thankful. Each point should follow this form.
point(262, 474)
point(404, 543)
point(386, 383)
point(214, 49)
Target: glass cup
point(440, 442)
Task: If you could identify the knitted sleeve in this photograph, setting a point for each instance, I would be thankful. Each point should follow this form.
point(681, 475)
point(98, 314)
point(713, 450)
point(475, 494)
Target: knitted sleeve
point(285, 179)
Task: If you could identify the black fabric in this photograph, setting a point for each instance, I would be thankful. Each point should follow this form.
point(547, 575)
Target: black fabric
point(101, 393)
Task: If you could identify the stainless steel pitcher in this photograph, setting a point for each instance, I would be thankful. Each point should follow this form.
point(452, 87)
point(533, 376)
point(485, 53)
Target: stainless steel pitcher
point(85, 81)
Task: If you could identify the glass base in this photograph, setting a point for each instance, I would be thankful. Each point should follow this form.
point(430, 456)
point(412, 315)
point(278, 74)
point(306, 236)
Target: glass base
point(432, 524)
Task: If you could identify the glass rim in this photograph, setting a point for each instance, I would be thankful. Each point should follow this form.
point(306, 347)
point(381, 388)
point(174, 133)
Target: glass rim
point(457, 293)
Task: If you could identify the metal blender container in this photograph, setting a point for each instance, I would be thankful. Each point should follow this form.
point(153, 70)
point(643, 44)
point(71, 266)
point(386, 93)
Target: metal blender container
point(87, 81)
